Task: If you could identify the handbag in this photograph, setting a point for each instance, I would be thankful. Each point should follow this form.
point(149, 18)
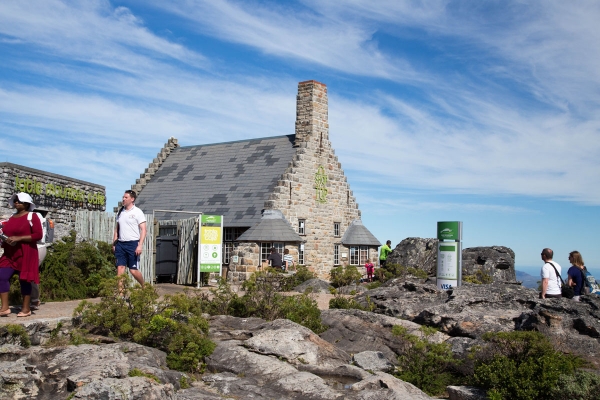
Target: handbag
point(565, 290)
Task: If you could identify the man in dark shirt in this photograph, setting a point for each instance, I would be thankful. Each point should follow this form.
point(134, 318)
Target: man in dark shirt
point(275, 259)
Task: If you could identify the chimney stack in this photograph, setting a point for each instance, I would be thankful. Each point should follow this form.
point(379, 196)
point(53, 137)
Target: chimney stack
point(311, 112)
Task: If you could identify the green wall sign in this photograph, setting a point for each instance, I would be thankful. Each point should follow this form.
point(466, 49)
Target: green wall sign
point(72, 194)
point(321, 185)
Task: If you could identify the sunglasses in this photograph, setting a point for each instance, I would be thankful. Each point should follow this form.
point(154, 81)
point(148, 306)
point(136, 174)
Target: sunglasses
point(18, 201)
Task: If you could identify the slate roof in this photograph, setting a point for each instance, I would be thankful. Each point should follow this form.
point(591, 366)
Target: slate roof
point(273, 227)
point(358, 234)
point(232, 179)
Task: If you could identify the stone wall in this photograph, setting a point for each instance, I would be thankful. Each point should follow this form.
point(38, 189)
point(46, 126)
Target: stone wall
point(60, 195)
point(248, 260)
point(314, 187)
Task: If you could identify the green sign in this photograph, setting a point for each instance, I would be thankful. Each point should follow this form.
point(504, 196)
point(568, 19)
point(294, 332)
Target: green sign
point(449, 230)
point(211, 242)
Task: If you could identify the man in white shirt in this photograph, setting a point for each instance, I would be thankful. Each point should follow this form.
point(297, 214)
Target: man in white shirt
point(129, 236)
point(550, 281)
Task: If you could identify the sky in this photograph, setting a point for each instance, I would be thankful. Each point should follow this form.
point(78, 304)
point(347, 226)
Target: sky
point(485, 112)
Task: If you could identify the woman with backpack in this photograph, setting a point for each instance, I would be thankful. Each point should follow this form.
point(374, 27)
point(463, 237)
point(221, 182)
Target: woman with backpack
point(20, 252)
point(576, 274)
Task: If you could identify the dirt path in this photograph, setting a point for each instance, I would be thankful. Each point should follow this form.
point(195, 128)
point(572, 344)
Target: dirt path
point(64, 309)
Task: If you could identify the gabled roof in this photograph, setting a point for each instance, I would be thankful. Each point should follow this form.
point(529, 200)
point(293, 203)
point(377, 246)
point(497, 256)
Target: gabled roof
point(232, 179)
point(273, 227)
point(358, 234)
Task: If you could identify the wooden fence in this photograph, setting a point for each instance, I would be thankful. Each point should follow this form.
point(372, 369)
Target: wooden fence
point(100, 226)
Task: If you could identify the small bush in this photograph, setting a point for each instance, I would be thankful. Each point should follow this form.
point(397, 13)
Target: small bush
point(302, 275)
point(262, 300)
point(139, 372)
point(479, 278)
point(425, 364)
point(345, 276)
point(16, 334)
point(520, 365)
point(580, 385)
point(72, 271)
point(346, 303)
point(174, 325)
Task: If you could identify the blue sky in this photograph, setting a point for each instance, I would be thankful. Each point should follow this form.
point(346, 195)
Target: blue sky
point(486, 112)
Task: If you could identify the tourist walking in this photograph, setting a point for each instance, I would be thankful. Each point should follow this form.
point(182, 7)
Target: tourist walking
point(370, 269)
point(576, 274)
point(20, 252)
point(384, 252)
point(129, 235)
point(550, 274)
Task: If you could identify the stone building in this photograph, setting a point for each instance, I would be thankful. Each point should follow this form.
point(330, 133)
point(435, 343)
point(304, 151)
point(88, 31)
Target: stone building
point(59, 195)
point(287, 192)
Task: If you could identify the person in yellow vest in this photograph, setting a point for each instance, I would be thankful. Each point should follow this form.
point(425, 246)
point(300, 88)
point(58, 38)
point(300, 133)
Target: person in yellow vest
point(384, 252)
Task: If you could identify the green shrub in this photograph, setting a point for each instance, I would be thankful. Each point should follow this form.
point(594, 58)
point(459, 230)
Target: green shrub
point(174, 324)
point(304, 311)
point(520, 365)
point(580, 385)
point(345, 303)
point(345, 276)
point(15, 334)
point(479, 278)
point(425, 364)
point(262, 300)
point(302, 275)
point(139, 372)
point(373, 285)
point(72, 271)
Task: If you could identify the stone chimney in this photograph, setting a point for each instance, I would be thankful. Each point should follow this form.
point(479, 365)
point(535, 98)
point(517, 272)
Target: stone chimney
point(311, 113)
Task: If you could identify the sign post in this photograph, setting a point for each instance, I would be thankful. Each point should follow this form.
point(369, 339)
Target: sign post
point(449, 255)
point(210, 244)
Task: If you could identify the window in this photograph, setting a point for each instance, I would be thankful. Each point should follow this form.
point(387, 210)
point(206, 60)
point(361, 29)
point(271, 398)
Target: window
point(336, 229)
point(301, 227)
point(227, 249)
point(231, 235)
point(280, 247)
point(359, 255)
point(336, 254)
point(265, 250)
point(354, 255)
point(301, 254)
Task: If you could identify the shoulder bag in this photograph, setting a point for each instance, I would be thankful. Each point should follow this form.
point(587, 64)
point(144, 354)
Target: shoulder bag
point(566, 290)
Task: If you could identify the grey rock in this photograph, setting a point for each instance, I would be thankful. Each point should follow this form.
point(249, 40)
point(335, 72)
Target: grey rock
point(356, 331)
point(315, 286)
point(351, 289)
point(465, 393)
point(472, 310)
point(416, 253)
point(372, 361)
point(135, 388)
point(497, 261)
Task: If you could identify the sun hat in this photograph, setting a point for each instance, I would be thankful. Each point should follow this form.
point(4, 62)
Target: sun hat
point(23, 198)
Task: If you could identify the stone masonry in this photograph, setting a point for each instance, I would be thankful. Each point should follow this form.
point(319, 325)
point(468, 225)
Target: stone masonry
point(314, 187)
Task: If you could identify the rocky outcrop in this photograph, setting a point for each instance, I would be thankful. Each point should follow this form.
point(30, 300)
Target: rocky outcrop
point(314, 286)
point(421, 253)
point(416, 253)
point(469, 311)
point(253, 359)
point(496, 261)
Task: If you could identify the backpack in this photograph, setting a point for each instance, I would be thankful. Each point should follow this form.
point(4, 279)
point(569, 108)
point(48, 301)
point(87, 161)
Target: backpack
point(590, 282)
point(47, 228)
